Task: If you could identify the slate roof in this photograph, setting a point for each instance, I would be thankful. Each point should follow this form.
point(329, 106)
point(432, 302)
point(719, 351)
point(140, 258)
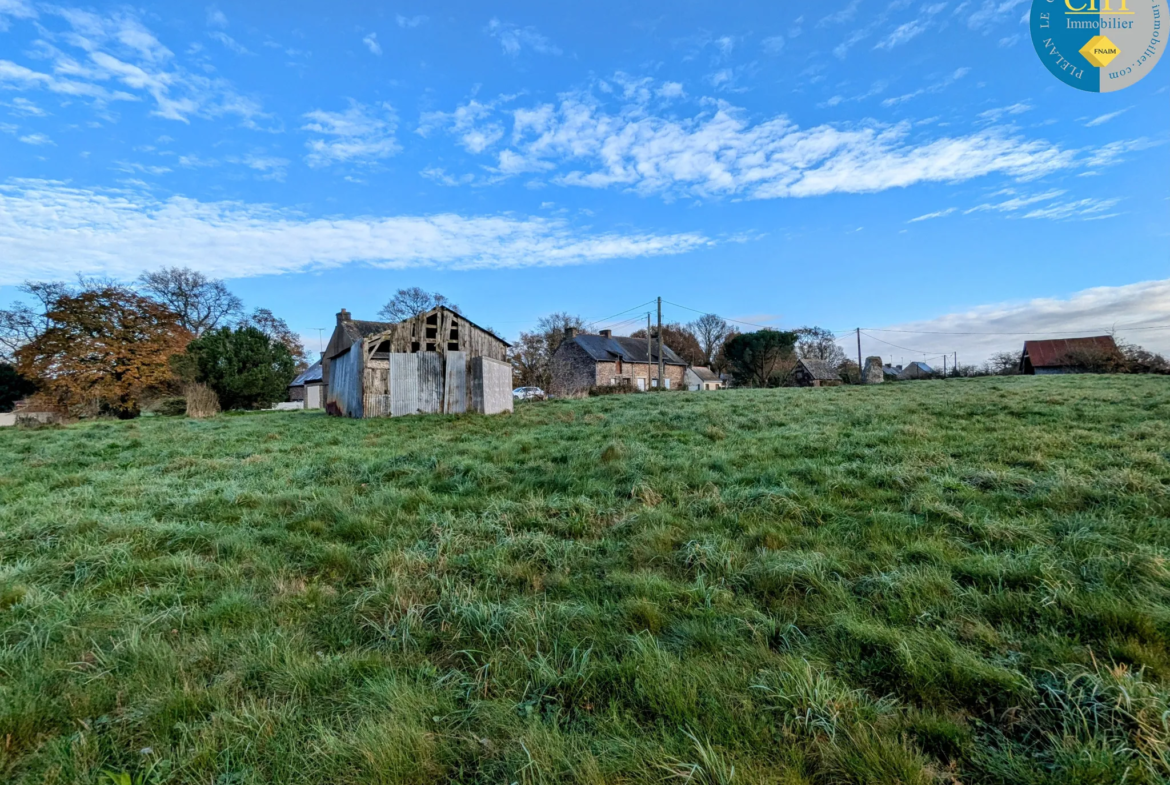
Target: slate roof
point(704, 374)
point(631, 350)
point(1050, 354)
point(308, 376)
point(820, 370)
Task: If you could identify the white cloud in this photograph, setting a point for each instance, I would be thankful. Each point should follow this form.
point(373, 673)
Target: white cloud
point(773, 44)
point(1095, 311)
point(720, 152)
point(22, 107)
point(360, 134)
point(119, 49)
point(514, 38)
point(216, 18)
point(990, 13)
point(903, 34)
point(464, 122)
point(997, 114)
point(36, 139)
point(1016, 202)
point(929, 216)
point(1102, 119)
point(1084, 209)
point(55, 231)
point(845, 14)
point(410, 21)
point(671, 90)
point(371, 42)
point(230, 42)
point(934, 87)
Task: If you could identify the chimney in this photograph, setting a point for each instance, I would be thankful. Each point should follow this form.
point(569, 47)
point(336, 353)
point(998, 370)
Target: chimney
point(607, 333)
point(570, 333)
point(343, 316)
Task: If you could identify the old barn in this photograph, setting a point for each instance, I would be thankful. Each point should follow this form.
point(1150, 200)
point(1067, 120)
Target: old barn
point(1066, 355)
point(436, 362)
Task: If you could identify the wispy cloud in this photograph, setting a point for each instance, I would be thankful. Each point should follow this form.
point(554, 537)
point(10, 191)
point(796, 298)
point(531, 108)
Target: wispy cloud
point(998, 113)
point(52, 230)
point(934, 87)
point(371, 42)
point(903, 34)
point(1102, 119)
point(360, 134)
point(229, 42)
point(513, 38)
point(721, 152)
point(36, 139)
point(930, 216)
point(117, 49)
point(410, 21)
point(1128, 309)
point(847, 13)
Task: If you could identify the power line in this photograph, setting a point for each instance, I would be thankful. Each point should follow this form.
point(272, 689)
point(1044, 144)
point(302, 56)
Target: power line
point(1034, 332)
point(619, 313)
point(724, 318)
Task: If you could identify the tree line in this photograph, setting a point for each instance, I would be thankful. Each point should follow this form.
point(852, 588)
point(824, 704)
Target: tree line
point(764, 358)
point(97, 346)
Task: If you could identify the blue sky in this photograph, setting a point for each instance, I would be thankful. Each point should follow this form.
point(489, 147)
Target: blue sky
point(893, 165)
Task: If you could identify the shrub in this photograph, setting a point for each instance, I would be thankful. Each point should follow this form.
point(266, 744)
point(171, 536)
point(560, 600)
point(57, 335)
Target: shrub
point(246, 368)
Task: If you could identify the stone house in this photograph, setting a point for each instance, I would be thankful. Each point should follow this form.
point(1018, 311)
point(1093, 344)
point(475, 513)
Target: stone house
point(583, 361)
point(811, 372)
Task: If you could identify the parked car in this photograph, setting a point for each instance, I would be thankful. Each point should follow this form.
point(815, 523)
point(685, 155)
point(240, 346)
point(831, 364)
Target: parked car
point(528, 394)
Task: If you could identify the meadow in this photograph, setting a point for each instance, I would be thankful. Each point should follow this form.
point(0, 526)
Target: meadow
point(951, 582)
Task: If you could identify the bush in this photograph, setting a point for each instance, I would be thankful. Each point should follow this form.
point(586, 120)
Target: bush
point(246, 368)
point(201, 401)
point(174, 406)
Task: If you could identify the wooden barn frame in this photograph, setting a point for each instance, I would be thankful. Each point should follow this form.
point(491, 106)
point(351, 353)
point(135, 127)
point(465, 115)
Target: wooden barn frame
point(438, 362)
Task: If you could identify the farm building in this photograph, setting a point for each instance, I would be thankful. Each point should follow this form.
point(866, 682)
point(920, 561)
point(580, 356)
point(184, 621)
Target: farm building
point(1065, 355)
point(915, 370)
point(810, 372)
point(438, 361)
point(699, 378)
point(585, 361)
point(308, 387)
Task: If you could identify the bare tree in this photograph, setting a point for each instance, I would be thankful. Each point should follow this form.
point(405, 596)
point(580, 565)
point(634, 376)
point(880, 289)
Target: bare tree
point(277, 329)
point(711, 330)
point(407, 303)
point(817, 343)
point(532, 354)
point(201, 303)
point(22, 323)
point(1003, 364)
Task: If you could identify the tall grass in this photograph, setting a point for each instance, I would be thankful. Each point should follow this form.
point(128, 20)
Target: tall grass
point(961, 581)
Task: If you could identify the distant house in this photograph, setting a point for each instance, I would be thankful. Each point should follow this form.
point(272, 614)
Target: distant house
point(700, 378)
point(810, 372)
point(585, 361)
point(437, 361)
point(308, 387)
point(915, 370)
point(891, 371)
point(1065, 355)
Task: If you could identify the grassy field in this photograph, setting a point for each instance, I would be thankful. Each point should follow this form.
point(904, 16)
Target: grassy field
point(925, 582)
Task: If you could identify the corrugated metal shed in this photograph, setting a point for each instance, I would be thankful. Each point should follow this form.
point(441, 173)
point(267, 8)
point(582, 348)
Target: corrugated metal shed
point(1051, 353)
point(308, 376)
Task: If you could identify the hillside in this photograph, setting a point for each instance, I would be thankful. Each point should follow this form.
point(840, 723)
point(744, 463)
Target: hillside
point(955, 582)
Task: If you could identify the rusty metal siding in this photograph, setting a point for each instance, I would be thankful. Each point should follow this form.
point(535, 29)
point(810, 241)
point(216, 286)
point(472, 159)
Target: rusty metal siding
point(491, 386)
point(1048, 354)
point(345, 385)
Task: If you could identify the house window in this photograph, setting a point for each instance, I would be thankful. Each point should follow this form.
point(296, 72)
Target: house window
point(619, 366)
point(666, 384)
point(641, 384)
point(612, 381)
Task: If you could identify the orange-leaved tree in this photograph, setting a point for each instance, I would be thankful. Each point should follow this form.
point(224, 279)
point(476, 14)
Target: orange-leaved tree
point(105, 345)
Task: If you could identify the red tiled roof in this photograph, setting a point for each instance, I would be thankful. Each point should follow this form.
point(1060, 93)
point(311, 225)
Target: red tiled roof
point(1048, 354)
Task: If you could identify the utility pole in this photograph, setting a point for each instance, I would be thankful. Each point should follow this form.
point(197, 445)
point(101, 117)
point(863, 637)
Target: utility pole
point(660, 358)
point(860, 370)
point(944, 367)
point(956, 364)
point(649, 352)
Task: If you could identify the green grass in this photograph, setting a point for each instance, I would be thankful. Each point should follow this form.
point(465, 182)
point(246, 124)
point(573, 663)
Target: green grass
point(923, 582)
